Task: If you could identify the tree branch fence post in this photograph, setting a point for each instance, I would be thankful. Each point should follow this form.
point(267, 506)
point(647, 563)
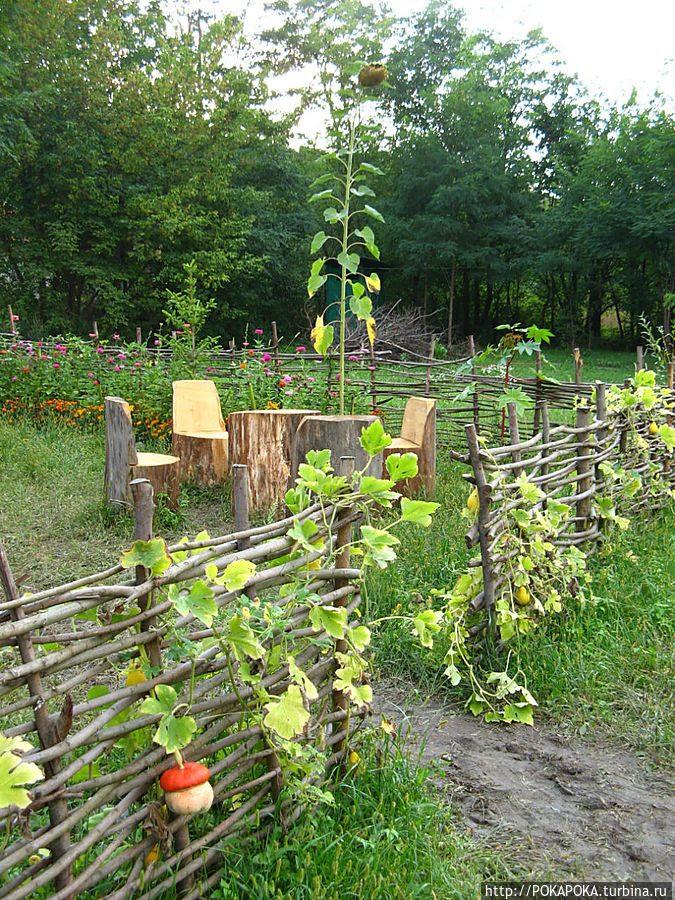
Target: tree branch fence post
point(342, 561)
point(373, 380)
point(578, 362)
point(242, 523)
point(142, 493)
point(514, 432)
point(46, 728)
point(275, 345)
point(584, 467)
point(600, 432)
point(483, 524)
point(432, 347)
point(537, 407)
point(639, 358)
point(476, 411)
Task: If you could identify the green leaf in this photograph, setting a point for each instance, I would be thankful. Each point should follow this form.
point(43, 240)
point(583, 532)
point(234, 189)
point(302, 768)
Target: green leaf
point(517, 396)
point(198, 602)
point(302, 532)
point(369, 210)
point(379, 545)
point(362, 190)
point(369, 167)
point(321, 195)
point(236, 574)
point(331, 215)
point(151, 555)
point(519, 712)
point(402, 465)
point(318, 241)
point(322, 336)
point(173, 733)
point(331, 619)
point(374, 439)
point(350, 261)
point(161, 703)
point(379, 489)
point(287, 716)
point(426, 624)
point(358, 290)
point(359, 636)
point(667, 435)
point(302, 680)
point(15, 773)
point(418, 511)
point(361, 307)
point(242, 639)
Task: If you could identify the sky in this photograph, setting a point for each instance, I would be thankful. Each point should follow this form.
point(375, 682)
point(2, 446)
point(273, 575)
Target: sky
point(613, 45)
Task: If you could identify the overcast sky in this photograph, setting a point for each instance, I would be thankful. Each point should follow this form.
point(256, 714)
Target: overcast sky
point(614, 45)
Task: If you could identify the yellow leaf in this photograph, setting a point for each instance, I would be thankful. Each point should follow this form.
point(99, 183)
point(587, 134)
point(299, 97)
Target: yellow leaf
point(373, 283)
point(372, 329)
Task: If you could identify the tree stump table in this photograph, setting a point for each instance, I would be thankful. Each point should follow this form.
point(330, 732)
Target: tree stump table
point(263, 439)
point(339, 434)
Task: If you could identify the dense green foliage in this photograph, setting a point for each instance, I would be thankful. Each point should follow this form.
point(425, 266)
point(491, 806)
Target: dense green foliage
point(133, 141)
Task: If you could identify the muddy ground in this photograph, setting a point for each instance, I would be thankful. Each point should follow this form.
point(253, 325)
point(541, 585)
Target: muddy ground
point(556, 806)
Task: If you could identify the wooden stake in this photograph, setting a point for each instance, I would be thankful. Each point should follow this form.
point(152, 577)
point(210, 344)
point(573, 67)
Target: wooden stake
point(139, 335)
point(537, 408)
point(584, 467)
point(275, 345)
point(515, 438)
point(476, 413)
point(483, 522)
point(578, 363)
point(58, 808)
point(639, 362)
point(342, 561)
point(144, 507)
point(431, 357)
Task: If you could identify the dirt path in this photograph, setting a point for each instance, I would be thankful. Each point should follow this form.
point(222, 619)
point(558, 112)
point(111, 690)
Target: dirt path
point(563, 807)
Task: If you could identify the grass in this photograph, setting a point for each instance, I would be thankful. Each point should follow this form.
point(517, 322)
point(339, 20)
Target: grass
point(54, 521)
point(385, 838)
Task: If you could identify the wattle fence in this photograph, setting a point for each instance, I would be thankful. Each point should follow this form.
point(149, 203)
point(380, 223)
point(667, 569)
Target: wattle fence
point(70, 686)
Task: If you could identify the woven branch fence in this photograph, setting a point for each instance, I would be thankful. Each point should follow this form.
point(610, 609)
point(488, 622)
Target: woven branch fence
point(566, 463)
point(381, 381)
point(98, 813)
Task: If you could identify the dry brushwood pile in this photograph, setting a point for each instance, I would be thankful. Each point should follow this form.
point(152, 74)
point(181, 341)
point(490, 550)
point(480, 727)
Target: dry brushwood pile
point(217, 647)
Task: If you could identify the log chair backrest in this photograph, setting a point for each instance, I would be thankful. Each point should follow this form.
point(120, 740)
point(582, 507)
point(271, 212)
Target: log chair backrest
point(196, 407)
point(415, 418)
point(120, 448)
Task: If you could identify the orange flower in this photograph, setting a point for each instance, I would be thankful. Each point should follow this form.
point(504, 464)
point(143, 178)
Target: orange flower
point(243, 365)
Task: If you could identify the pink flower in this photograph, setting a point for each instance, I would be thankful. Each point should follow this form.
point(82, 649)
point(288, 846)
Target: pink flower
point(258, 331)
point(288, 392)
point(301, 349)
point(156, 342)
point(14, 378)
point(266, 357)
point(309, 378)
point(90, 374)
point(56, 365)
point(110, 359)
point(121, 356)
point(371, 368)
point(287, 379)
point(137, 365)
point(100, 350)
point(57, 346)
point(116, 337)
point(92, 334)
point(353, 358)
point(15, 318)
point(244, 343)
point(179, 332)
point(187, 325)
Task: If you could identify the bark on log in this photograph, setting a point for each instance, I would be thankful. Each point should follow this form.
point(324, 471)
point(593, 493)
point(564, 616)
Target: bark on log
point(339, 434)
point(202, 456)
point(263, 440)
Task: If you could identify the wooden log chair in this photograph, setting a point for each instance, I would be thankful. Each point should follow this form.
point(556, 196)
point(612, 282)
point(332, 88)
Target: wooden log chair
point(418, 435)
point(199, 434)
point(123, 462)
